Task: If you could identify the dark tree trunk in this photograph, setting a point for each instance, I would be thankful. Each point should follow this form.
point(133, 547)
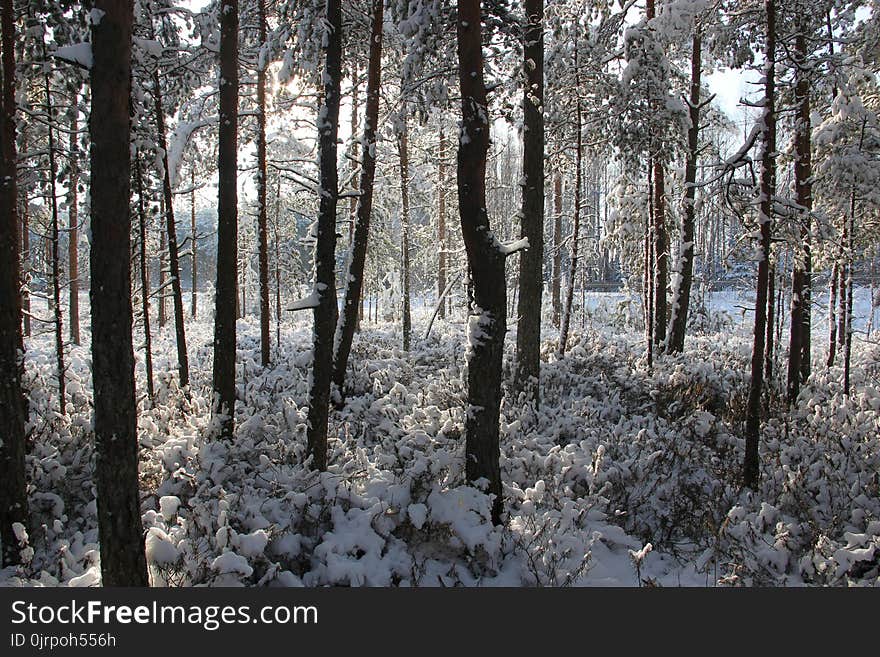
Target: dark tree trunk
point(660, 246)
point(531, 278)
point(575, 236)
point(682, 296)
point(355, 279)
point(325, 249)
point(661, 254)
point(768, 191)
point(73, 224)
point(277, 264)
point(171, 228)
point(54, 247)
point(145, 276)
point(832, 315)
point(799, 336)
point(557, 249)
point(649, 272)
point(441, 221)
point(769, 344)
point(195, 244)
point(403, 153)
point(261, 197)
point(226, 298)
point(120, 530)
point(13, 491)
point(25, 257)
point(488, 321)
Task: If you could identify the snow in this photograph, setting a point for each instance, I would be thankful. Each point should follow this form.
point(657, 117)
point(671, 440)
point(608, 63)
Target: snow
point(625, 477)
point(78, 53)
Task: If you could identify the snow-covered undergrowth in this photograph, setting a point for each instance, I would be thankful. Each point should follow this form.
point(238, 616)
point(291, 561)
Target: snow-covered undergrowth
point(617, 458)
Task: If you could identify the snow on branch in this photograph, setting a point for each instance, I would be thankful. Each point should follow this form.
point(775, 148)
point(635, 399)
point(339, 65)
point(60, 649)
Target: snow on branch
point(514, 247)
point(311, 301)
point(78, 53)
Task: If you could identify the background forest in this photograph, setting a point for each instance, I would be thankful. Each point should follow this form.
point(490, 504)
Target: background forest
point(434, 293)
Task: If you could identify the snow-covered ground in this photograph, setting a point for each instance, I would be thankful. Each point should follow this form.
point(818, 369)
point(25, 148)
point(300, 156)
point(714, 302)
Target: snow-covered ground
point(625, 475)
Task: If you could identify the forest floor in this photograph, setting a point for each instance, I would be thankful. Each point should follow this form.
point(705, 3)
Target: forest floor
point(625, 476)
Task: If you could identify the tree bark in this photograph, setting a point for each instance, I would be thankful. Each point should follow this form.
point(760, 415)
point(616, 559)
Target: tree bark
point(682, 297)
point(54, 246)
point(325, 249)
point(195, 243)
point(73, 225)
point(25, 252)
point(13, 491)
point(171, 228)
point(556, 295)
point(441, 220)
point(832, 315)
point(261, 196)
point(145, 276)
point(531, 279)
point(488, 321)
point(799, 335)
point(575, 237)
point(768, 191)
point(120, 530)
point(403, 153)
point(226, 296)
point(356, 263)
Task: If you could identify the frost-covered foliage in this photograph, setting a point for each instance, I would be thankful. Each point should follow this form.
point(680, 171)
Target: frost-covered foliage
point(617, 458)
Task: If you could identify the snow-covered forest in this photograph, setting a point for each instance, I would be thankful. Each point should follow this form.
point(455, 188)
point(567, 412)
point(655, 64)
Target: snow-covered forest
point(437, 293)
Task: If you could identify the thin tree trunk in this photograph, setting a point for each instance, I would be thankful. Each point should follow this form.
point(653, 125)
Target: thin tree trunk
point(227, 224)
point(682, 296)
point(73, 225)
point(649, 269)
point(355, 279)
point(54, 248)
point(488, 323)
point(13, 491)
point(769, 342)
point(25, 256)
point(832, 315)
point(261, 196)
point(171, 228)
point(120, 531)
point(531, 279)
point(575, 238)
point(145, 277)
point(799, 335)
point(194, 309)
point(768, 192)
point(402, 149)
point(847, 345)
point(163, 251)
point(441, 221)
point(556, 295)
point(277, 265)
point(325, 250)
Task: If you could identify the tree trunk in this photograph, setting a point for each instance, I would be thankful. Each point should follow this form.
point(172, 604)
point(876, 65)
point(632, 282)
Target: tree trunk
point(13, 491)
point(402, 150)
point(441, 221)
point(25, 256)
point(661, 254)
point(277, 264)
point(54, 246)
point(120, 530)
point(531, 279)
point(171, 228)
point(799, 336)
point(488, 322)
point(682, 297)
point(355, 279)
point(832, 315)
point(768, 191)
point(575, 237)
point(261, 196)
point(325, 249)
point(145, 276)
point(850, 263)
point(73, 225)
point(194, 279)
point(227, 224)
point(557, 249)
